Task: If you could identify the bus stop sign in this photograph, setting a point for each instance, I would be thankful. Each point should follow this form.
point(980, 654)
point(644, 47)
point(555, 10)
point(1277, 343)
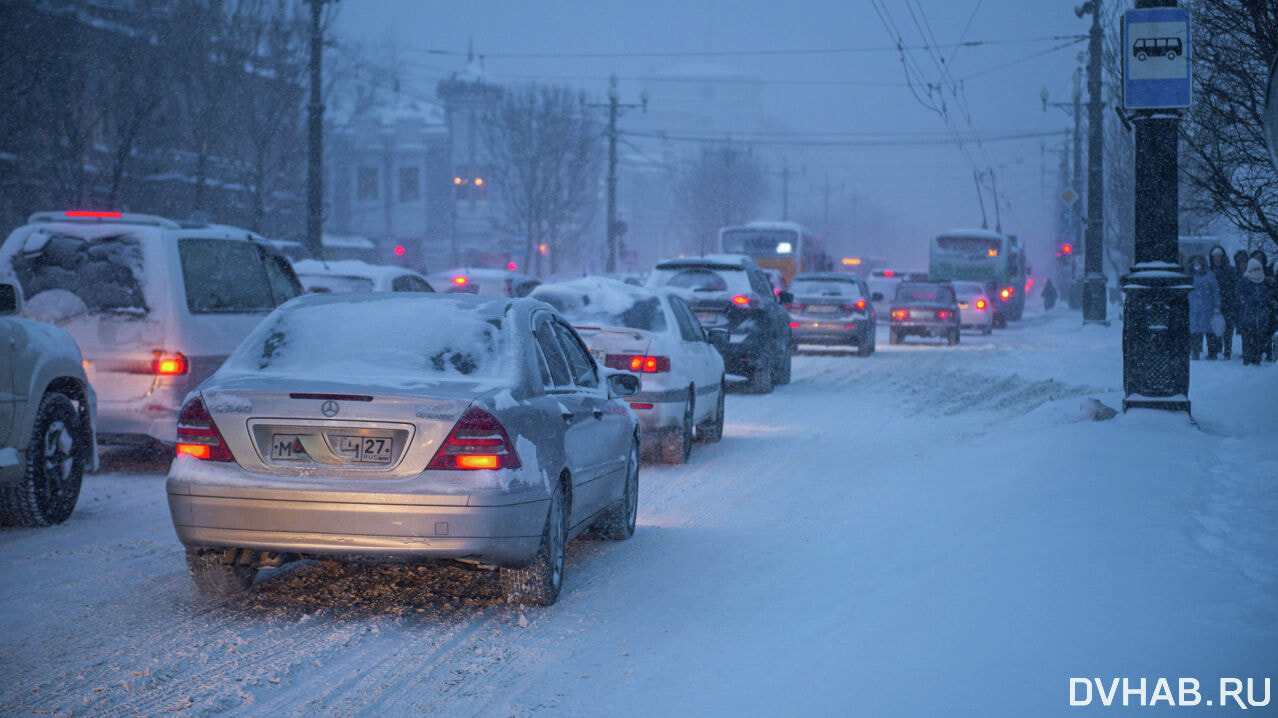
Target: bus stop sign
point(1156, 59)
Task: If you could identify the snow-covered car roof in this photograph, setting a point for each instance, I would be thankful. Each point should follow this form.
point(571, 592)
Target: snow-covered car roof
point(731, 260)
point(350, 268)
point(606, 302)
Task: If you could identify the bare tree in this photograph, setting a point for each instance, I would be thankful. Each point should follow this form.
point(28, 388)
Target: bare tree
point(1234, 42)
point(544, 148)
point(723, 185)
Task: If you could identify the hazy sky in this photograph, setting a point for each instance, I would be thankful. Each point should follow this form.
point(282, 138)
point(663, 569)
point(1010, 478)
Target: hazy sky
point(901, 191)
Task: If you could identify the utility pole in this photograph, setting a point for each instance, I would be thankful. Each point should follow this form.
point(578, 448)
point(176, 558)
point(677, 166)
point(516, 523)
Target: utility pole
point(615, 109)
point(998, 217)
point(315, 137)
point(1094, 299)
point(976, 178)
point(1078, 134)
point(785, 188)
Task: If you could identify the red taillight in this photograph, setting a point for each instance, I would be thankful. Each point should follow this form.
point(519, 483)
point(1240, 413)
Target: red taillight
point(103, 215)
point(399, 250)
point(169, 364)
point(858, 306)
point(900, 314)
point(198, 435)
point(640, 405)
point(741, 300)
point(1006, 293)
point(889, 273)
point(637, 363)
point(794, 325)
point(942, 314)
point(478, 441)
point(1067, 248)
point(981, 304)
point(460, 281)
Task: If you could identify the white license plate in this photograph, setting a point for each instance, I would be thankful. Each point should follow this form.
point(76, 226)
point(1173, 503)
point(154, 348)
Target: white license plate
point(287, 447)
point(822, 309)
point(962, 305)
point(922, 314)
point(364, 449)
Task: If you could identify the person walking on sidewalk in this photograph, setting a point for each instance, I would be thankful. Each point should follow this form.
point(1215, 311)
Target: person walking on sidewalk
point(1254, 308)
point(1049, 295)
point(1204, 301)
point(1227, 281)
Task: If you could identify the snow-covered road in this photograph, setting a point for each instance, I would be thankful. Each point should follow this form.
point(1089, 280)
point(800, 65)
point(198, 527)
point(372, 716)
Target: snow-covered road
point(929, 531)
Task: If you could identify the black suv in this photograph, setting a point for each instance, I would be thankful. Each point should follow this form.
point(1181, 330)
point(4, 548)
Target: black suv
point(729, 291)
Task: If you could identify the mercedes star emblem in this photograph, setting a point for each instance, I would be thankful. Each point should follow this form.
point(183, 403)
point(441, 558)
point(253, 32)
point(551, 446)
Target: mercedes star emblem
point(329, 408)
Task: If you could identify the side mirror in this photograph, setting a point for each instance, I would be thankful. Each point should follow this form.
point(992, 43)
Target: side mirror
point(718, 337)
point(621, 385)
point(876, 297)
point(10, 299)
point(785, 297)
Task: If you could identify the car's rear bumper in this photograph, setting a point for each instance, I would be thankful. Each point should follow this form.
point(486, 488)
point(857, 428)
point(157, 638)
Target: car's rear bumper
point(926, 329)
point(218, 506)
point(828, 331)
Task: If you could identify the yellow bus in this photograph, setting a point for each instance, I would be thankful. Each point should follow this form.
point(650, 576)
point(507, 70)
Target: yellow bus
point(787, 247)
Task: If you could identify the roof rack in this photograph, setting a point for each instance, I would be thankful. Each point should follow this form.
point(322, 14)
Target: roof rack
point(85, 217)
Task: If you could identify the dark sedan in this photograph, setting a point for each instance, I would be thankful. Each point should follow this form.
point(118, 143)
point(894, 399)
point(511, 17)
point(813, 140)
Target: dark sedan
point(925, 309)
point(832, 309)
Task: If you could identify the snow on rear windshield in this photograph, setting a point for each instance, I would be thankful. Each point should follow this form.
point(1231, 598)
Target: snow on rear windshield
point(907, 293)
point(701, 279)
point(611, 304)
point(825, 287)
point(416, 338)
point(101, 273)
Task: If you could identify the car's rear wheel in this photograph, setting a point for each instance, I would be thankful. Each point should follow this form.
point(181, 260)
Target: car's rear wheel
point(761, 375)
point(865, 347)
point(782, 373)
point(216, 573)
point(987, 329)
point(954, 337)
point(618, 523)
point(539, 583)
point(711, 431)
point(55, 456)
point(676, 444)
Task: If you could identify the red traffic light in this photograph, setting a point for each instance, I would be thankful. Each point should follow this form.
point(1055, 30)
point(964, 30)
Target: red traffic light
point(1067, 248)
point(399, 250)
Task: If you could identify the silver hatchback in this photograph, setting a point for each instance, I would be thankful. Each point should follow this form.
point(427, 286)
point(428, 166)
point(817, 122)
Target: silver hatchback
point(405, 428)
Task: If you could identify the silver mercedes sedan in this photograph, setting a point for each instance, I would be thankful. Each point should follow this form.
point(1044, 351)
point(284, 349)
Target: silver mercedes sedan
point(405, 428)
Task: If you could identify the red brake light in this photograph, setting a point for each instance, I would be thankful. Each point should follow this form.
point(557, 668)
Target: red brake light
point(794, 325)
point(942, 314)
point(198, 435)
point(80, 213)
point(399, 250)
point(169, 364)
point(478, 441)
point(637, 363)
point(858, 306)
point(1067, 248)
point(1006, 293)
point(900, 314)
point(460, 280)
point(741, 300)
point(889, 273)
point(981, 304)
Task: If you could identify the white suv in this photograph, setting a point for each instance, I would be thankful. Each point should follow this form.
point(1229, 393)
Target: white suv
point(155, 305)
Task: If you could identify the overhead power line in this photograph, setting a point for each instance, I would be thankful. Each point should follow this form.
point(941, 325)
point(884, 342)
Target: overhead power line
point(867, 142)
point(734, 53)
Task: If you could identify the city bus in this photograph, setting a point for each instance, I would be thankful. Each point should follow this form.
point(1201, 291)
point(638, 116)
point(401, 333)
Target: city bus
point(982, 256)
point(784, 246)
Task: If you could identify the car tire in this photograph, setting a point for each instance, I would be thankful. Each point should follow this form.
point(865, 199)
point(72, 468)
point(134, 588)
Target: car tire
point(676, 444)
point(618, 522)
point(894, 336)
point(55, 458)
point(781, 375)
point(865, 347)
point(987, 329)
point(1141, 56)
point(954, 337)
point(1171, 56)
point(215, 574)
point(539, 583)
point(711, 432)
point(761, 376)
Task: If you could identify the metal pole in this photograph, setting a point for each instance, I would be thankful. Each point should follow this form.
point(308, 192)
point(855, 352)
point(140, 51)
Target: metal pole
point(785, 188)
point(1094, 299)
point(998, 217)
point(315, 112)
point(977, 179)
point(1078, 137)
point(612, 177)
point(1156, 293)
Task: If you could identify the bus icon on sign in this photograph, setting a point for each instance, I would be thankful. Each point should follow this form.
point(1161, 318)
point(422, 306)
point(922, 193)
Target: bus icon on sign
point(1168, 47)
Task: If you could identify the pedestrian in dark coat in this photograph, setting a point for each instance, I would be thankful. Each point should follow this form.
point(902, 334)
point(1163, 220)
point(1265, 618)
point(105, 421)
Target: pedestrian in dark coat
point(1240, 262)
point(1204, 301)
point(1049, 295)
point(1272, 286)
point(1253, 312)
point(1227, 281)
